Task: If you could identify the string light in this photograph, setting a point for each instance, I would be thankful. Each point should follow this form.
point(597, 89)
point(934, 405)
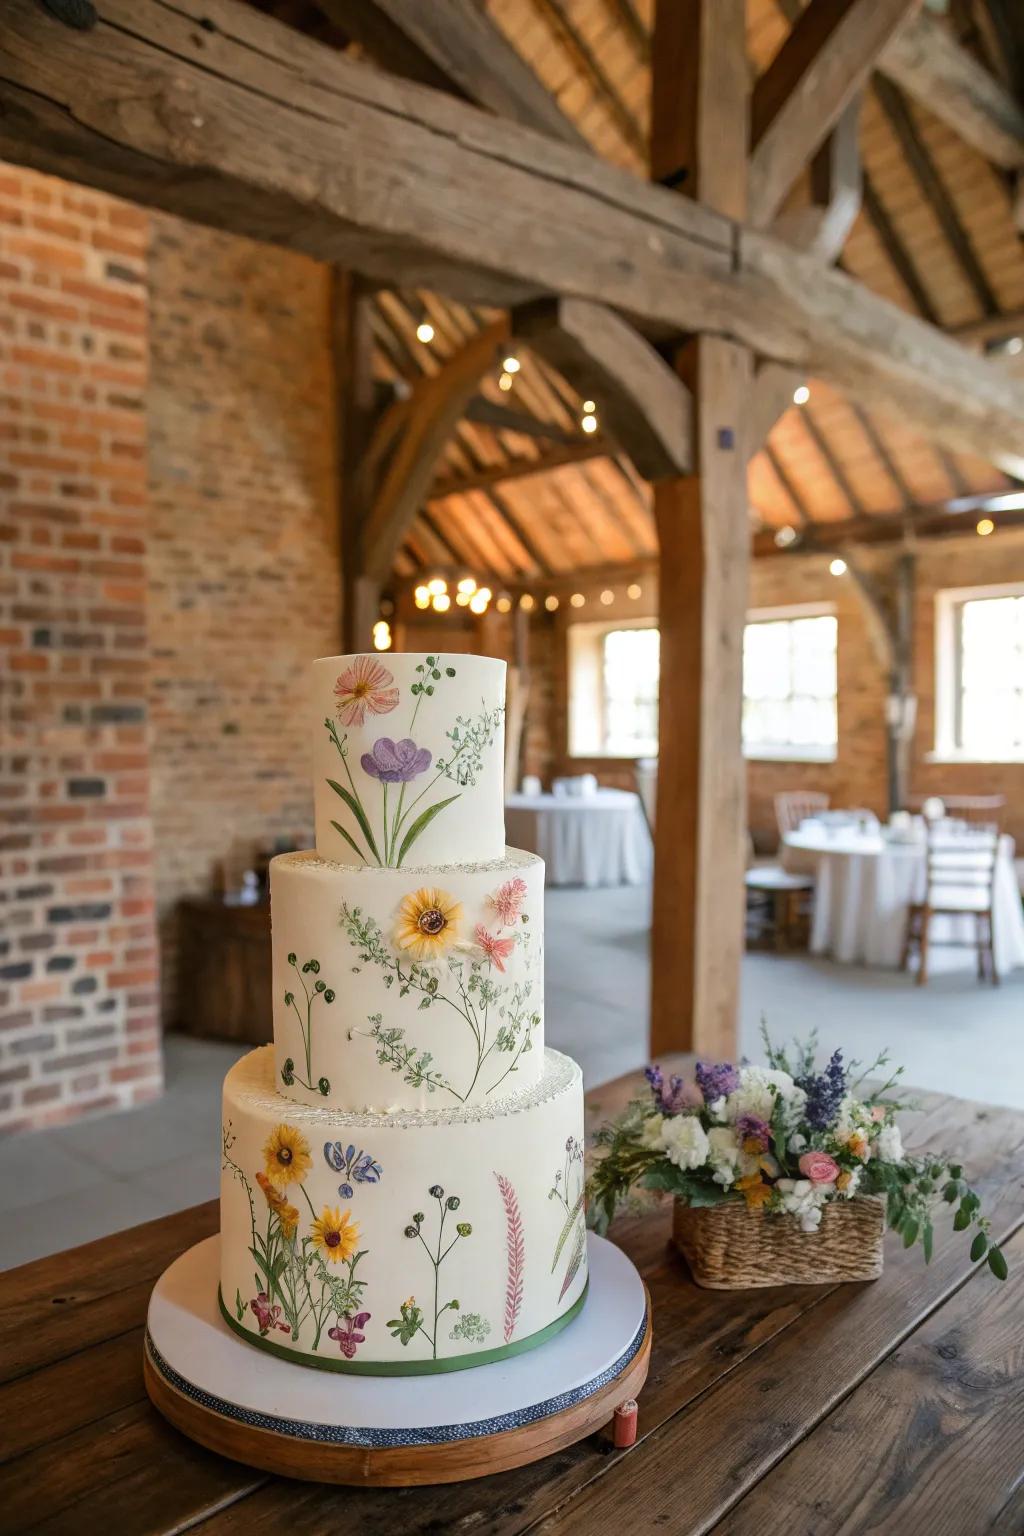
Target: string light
point(577, 600)
point(589, 422)
point(425, 332)
point(421, 597)
point(589, 407)
point(436, 585)
point(785, 536)
point(504, 605)
point(382, 635)
point(551, 602)
point(801, 395)
point(505, 382)
point(837, 567)
point(634, 590)
point(607, 596)
point(441, 602)
point(526, 602)
point(986, 526)
point(465, 590)
point(1014, 345)
point(511, 365)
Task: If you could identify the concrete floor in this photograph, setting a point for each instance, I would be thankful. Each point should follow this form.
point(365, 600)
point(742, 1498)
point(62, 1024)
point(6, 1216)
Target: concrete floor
point(70, 1185)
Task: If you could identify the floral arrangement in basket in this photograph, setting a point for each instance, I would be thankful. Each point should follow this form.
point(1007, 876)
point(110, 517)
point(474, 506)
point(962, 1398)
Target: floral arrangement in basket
point(787, 1141)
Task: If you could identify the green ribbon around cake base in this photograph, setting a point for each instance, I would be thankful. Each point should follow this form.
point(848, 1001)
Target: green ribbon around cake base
point(405, 1367)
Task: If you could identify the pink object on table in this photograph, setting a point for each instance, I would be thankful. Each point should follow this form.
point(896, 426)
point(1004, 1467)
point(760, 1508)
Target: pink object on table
point(624, 1429)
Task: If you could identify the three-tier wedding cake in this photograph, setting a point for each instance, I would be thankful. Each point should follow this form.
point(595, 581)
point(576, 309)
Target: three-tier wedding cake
point(402, 1186)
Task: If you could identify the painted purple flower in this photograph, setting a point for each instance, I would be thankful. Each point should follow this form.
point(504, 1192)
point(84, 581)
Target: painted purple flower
point(267, 1316)
point(395, 762)
point(675, 1096)
point(754, 1133)
point(716, 1081)
point(348, 1335)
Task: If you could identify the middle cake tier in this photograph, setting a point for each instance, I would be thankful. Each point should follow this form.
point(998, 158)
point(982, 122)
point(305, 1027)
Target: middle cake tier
point(407, 988)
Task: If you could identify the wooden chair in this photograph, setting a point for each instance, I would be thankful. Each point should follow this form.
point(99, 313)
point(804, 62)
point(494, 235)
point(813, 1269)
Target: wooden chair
point(959, 881)
point(776, 900)
point(973, 808)
point(793, 806)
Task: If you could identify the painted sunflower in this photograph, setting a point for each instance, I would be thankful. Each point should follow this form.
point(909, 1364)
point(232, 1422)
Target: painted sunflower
point(335, 1235)
point(428, 923)
point(286, 1214)
point(286, 1157)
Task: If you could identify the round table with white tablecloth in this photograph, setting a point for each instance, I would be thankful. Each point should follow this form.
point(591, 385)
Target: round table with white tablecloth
point(591, 840)
point(865, 883)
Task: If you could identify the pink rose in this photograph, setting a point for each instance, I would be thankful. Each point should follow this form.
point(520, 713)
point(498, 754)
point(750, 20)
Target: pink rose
point(819, 1167)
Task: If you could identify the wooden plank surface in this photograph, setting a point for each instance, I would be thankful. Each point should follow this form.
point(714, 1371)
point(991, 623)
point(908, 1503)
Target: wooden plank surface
point(741, 1383)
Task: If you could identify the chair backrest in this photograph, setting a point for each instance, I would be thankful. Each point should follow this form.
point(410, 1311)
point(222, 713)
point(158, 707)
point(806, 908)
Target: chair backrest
point(792, 806)
point(960, 859)
point(981, 808)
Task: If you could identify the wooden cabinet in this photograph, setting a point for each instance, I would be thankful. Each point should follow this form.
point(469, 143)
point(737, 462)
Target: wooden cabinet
point(224, 979)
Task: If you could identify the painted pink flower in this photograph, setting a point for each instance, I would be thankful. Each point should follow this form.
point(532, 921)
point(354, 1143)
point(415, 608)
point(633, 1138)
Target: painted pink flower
point(365, 685)
point(497, 950)
point(508, 899)
point(347, 1334)
point(267, 1316)
point(819, 1167)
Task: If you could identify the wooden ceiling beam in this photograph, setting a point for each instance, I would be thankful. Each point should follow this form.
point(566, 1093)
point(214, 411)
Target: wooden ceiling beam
point(457, 484)
point(586, 62)
point(644, 406)
point(925, 60)
point(823, 63)
point(247, 125)
point(505, 418)
point(820, 226)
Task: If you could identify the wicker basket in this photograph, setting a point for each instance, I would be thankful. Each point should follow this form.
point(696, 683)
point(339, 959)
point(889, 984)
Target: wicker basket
point(729, 1248)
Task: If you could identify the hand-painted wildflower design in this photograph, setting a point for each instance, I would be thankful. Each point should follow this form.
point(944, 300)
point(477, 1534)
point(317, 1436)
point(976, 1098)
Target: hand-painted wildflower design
point(568, 1189)
point(515, 1249)
point(358, 1167)
point(508, 901)
point(787, 1140)
point(368, 686)
point(299, 1278)
point(411, 1318)
point(316, 989)
point(471, 1327)
point(365, 686)
point(428, 960)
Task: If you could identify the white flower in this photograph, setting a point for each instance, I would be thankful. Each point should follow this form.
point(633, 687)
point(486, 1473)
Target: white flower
point(889, 1144)
point(717, 1108)
point(758, 1090)
point(850, 1188)
point(650, 1136)
point(853, 1118)
point(685, 1141)
point(724, 1153)
point(804, 1200)
point(797, 1143)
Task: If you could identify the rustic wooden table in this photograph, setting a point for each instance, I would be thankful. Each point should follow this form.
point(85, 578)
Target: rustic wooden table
point(894, 1407)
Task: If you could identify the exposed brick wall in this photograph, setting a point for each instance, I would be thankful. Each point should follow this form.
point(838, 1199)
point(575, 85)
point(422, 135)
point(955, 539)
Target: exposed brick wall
point(78, 965)
point(244, 568)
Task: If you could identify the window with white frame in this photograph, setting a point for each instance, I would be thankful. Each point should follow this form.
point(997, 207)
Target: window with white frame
point(979, 673)
point(613, 689)
point(789, 685)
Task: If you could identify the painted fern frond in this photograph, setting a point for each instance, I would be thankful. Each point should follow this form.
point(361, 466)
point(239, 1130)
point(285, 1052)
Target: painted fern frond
point(516, 1248)
point(570, 1221)
point(578, 1251)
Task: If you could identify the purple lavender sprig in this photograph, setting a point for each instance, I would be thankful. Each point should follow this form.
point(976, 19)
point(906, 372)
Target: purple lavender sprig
point(716, 1081)
point(825, 1092)
point(673, 1099)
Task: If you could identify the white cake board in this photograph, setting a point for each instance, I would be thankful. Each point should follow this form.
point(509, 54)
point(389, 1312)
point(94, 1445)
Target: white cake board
point(300, 1422)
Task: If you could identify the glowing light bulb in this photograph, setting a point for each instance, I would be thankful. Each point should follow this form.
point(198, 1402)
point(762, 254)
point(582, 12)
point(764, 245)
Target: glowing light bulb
point(1014, 345)
point(511, 365)
point(551, 602)
point(485, 594)
point(526, 602)
point(468, 584)
point(505, 382)
point(837, 566)
point(801, 395)
point(478, 603)
point(463, 599)
point(424, 332)
point(504, 605)
point(589, 407)
point(634, 590)
point(382, 635)
point(577, 600)
point(986, 526)
point(441, 602)
point(785, 536)
point(607, 596)
point(421, 597)
point(436, 585)
point(589, 422)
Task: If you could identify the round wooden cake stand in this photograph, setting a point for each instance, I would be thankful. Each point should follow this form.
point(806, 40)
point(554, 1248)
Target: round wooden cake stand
point(386, 1430)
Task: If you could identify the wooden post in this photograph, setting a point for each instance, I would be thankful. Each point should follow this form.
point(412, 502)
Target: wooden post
point(355, 407)
point(704, 533)
point(698, 143)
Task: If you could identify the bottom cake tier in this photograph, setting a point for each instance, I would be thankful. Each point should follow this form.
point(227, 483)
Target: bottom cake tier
point(406, 1243)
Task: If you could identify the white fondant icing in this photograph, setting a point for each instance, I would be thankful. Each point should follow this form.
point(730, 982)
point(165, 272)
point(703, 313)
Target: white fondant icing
point(510, 1207)
point(400, 735)
point(374, 1024)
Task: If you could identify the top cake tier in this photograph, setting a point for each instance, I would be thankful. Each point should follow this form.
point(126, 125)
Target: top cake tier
point(408, 759)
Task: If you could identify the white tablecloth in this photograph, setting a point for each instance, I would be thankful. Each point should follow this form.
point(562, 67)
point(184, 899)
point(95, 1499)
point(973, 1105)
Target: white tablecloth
point(864, 885)
point(598, 840)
